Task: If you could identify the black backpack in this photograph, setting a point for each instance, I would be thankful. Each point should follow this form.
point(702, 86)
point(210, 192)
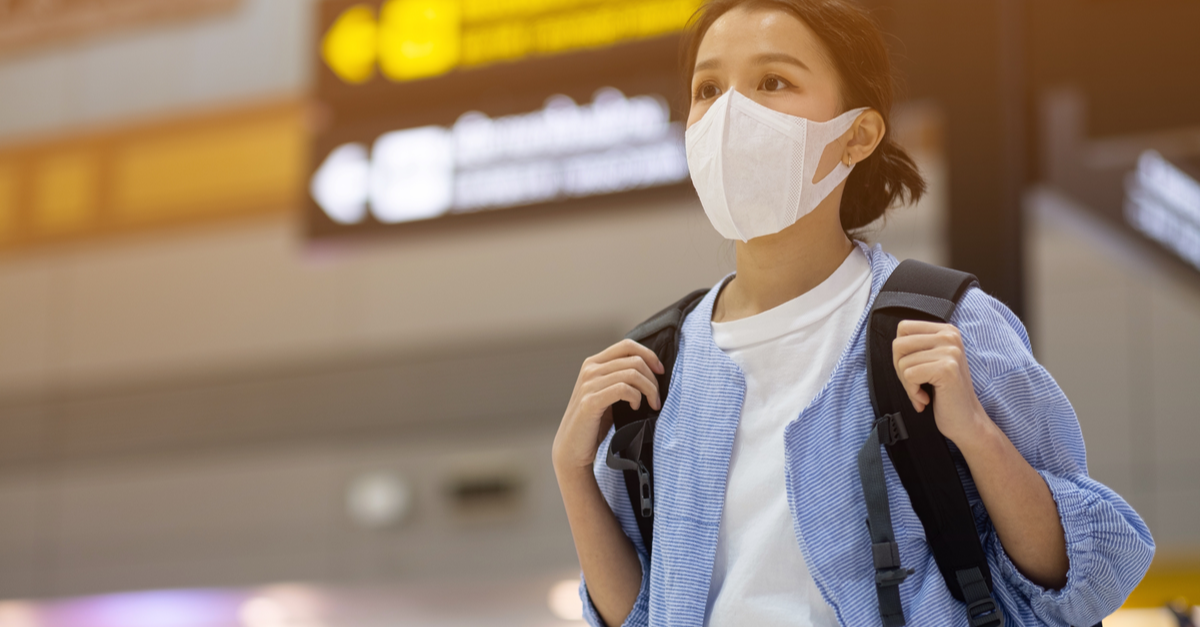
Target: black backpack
point(918, 451)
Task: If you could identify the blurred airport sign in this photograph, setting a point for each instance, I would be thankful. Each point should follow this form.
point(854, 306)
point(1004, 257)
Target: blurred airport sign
point(436, 111)
point(1163, 203)
point(1146, 184)
point(199, 167)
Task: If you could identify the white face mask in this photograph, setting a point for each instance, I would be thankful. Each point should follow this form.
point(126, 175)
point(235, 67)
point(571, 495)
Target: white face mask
point(753, 166)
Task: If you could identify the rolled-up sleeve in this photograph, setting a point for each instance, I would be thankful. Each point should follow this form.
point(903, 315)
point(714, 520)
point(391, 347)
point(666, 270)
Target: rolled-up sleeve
point(1109, 547)
point(612, 485)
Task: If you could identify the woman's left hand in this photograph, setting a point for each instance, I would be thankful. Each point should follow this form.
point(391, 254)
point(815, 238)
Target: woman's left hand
point(1017, 498)
point(932, 353)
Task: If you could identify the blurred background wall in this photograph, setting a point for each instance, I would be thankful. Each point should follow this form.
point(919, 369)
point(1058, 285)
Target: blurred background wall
point(210, 386)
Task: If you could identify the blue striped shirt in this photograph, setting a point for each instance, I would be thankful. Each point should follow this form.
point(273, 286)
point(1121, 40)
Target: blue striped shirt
point(1108, 545)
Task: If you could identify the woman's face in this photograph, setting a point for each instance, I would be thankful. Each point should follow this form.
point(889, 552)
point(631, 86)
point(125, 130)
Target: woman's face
point(767, 55)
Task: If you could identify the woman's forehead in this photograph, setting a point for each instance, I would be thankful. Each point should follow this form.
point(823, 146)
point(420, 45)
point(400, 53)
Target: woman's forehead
point(752, 31)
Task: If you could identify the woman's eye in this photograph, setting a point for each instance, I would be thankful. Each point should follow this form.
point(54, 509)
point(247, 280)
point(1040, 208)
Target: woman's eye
point(774, 83)
point(707, 91)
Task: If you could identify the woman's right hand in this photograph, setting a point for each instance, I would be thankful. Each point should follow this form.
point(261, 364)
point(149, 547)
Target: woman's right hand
point(624, 371)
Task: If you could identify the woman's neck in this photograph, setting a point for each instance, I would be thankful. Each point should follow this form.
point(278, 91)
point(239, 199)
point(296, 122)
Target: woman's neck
point(774, 269)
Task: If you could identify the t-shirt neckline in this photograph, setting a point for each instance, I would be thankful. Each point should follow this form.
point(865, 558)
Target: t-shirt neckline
point(804, 310)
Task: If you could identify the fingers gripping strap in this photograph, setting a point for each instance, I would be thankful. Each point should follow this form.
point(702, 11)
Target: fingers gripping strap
point(632, 448)
point(888, 572)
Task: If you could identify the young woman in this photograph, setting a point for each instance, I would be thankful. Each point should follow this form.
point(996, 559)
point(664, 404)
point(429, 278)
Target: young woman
point(758, 507)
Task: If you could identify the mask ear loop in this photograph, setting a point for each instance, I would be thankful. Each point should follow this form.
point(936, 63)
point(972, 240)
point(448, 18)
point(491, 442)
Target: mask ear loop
point(841, 171)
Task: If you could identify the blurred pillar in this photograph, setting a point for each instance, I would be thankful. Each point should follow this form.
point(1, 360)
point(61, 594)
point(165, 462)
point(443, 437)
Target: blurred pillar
point(970, 58)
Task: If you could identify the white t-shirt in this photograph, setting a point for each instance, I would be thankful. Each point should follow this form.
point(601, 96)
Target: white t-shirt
point(787, 354)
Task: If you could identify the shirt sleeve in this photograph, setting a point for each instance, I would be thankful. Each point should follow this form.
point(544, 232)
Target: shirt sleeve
point(1108, 545)
point(612, 486)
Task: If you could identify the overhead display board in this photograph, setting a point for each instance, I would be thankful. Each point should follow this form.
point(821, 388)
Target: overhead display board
point(1163, 203)
point(1146, 184)
point(444, 111)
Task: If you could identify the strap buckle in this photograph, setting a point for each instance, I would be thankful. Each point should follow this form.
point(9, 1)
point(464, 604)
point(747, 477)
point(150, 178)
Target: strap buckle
point(985, 613)
point(625, 453)
point(982, 609)
point(645, 491)
point(892, 429)
point(893, 577)
point(888, 571)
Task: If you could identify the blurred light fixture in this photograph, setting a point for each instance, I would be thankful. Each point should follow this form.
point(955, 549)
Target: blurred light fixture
point(564, 600)
point(563, 150)
point(378, 500)
point(17, 614)
point(262, 612)
point(1163, 202)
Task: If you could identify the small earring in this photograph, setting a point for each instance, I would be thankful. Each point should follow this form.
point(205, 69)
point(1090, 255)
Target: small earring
point(849, 161)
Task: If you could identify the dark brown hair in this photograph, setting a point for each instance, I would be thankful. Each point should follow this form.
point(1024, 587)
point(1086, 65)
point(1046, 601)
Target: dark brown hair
point(855, 46)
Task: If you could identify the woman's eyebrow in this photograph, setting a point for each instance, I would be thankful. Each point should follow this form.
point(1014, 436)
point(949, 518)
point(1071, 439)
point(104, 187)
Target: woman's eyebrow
point(780, 57)
point(707, 64)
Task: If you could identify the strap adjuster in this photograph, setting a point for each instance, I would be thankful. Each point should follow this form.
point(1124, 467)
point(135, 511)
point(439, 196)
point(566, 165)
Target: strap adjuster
point(985, 613)
point(892, 429)
point(893, 577)
point(645, 491)
point(886, 554)
point(625, 453)
point(887, 564)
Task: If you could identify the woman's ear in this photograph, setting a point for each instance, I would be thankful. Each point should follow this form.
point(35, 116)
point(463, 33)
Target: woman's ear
point(865, 137)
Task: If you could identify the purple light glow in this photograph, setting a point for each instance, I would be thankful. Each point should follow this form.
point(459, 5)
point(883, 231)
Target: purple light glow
point(167, 608)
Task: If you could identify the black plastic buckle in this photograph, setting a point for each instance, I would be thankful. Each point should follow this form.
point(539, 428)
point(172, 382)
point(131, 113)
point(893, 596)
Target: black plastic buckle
point(892, 429)
point(886, 555)
point(645, 490)
point(985, 613)
point(887, 564)
point(892, 577)
point(625, 453)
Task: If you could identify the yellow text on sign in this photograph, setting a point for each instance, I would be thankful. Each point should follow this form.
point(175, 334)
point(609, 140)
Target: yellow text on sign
point(416, 39)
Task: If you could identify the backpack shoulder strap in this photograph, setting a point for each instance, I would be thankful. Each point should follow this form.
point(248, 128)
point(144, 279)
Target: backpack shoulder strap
point(919, 453)
point(632, 446)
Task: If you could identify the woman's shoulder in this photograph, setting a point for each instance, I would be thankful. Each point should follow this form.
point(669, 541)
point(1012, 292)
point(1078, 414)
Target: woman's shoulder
point(994, 337)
